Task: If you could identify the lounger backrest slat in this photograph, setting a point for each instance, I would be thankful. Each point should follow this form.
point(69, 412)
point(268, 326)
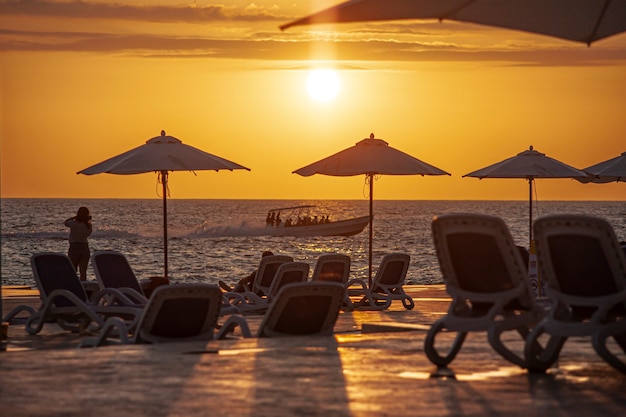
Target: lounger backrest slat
point(266, 272)
point(332, 268)
point(579, 261)
point(306, 308)
point(477, 254)
point(288, 273)
point(54, 271)
point(473, 270)
point(181, 312)
point(393, 269)
point(580, 255)
point(113, 271)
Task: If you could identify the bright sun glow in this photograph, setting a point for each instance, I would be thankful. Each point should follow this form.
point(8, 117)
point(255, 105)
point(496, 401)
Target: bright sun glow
point(323, 85)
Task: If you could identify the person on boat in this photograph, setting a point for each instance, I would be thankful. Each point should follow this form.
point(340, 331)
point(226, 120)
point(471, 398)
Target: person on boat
point(269, 220)
point(244, 284)
point(277, 220)
point(80, 230)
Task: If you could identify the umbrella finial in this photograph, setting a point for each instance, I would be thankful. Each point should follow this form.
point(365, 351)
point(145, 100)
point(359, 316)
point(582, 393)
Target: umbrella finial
point(162, 132)
point(371, 136)
point(530, 148)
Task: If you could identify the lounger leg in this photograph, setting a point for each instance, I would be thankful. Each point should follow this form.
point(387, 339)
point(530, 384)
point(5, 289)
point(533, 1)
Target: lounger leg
point(431, 351)
point(35, 322)
point(408, 302)
point(539, 359)
point(16, 311)
point(599, 340)
point(494, 335)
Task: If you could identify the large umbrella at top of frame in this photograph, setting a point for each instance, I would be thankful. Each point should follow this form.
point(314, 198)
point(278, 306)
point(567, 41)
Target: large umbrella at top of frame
point(577, 20)
point(611, 170)
point(162, 154)
point(529, 164)
point(370, 157)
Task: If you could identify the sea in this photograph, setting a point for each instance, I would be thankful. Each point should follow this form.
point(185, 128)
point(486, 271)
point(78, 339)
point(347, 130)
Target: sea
point(211, 240)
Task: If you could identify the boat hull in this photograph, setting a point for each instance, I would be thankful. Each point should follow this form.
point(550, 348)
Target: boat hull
point(348, 227)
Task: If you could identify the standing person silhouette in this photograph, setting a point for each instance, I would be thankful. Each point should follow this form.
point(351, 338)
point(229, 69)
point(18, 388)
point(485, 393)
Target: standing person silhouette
point(80, 230)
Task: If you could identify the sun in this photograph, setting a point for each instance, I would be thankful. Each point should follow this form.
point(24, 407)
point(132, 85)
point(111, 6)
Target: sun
point(323, 85)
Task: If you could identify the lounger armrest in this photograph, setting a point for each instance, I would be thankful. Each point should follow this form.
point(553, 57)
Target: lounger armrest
point(603, 303)
point(357, 286)
point(135, 296)
point(110, 296)
point(231, 323)
point(12, 316)
point(247, 297)
point(358, 282)
point(500, 297)
point(599, 301)
point(112, 324)
point(35, 322)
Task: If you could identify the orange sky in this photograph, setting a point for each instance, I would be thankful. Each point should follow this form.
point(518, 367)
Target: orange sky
point(82, 81)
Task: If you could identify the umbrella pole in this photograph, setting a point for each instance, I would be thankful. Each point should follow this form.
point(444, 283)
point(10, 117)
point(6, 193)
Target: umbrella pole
point(371, 178)
point(530, 211)
point(164, 182)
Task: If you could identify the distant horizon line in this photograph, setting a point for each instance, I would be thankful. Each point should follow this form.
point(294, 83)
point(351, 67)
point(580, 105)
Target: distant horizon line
point(299, 199)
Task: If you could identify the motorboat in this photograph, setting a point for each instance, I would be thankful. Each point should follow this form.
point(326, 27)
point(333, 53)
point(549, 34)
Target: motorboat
point(305, 221)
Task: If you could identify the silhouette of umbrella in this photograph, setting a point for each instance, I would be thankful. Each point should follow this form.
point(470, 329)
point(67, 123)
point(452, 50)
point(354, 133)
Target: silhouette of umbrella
point(369, 157)
point(529, 164)
point(162, 154)
point(610, 170)
point(577, 20)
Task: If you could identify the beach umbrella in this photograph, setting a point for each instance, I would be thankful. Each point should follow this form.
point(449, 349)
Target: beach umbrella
point(369, 157)
point(610, 170)
point(529, 165)
point(577, 20)
point(162, 154)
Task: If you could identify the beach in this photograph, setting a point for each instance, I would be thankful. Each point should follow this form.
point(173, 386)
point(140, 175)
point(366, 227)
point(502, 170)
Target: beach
point(374, 365)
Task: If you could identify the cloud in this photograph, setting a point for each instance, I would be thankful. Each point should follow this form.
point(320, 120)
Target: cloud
point(158, 13)
point(251, 32)
point(270, 47)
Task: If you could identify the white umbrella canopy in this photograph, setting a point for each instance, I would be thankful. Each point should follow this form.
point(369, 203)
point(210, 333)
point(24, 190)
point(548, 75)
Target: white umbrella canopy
point(529, 164)
point(370, 157)
point(162, 154)
point(577, 20)
point(611, 170)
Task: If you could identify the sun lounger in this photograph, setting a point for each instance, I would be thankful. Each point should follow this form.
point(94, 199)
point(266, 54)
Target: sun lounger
point(64, 299)
point(266, 272)
point(386, 285)
point(112, 270)
point(299, 309)
point(288, 273)
point(175, 313)
point(254, 300)
point(486, 277)
point(334, 267)
point(585, 270)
